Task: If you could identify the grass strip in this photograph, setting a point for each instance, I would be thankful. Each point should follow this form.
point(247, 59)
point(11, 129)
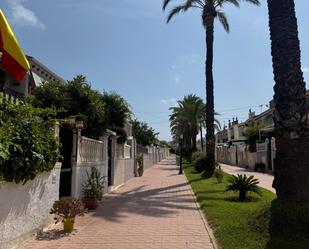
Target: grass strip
point(236, 225)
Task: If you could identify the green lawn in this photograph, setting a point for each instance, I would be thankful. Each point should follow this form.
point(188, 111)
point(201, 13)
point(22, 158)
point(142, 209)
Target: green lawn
point(243, 225)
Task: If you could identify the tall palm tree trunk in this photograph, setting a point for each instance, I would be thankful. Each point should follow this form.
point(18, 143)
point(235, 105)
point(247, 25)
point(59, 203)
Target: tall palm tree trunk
point(201, 133)
point(210, 137)
point(290, 116)
point(194, 143)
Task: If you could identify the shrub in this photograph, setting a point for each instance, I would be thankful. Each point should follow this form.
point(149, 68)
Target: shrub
point(94, 185)
point(28, 145)
point(67, 207)
point(199, 161)
point(75, 98)
point(140, 160)
point(218, 173)
point(196, 155)
point(261, 167)
point(243, 184)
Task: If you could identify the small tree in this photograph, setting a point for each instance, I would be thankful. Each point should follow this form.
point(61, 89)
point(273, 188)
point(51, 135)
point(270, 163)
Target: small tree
point(144, 134)
point(75, 98)
point(117, 113)
point(252, 133)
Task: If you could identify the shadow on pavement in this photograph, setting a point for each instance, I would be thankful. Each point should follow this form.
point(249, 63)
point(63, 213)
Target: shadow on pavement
point(156, 202)
point(52, 235)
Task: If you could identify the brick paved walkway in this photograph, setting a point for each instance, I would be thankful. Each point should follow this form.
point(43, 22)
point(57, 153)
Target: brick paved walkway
point(157, 210)
point(266, 180)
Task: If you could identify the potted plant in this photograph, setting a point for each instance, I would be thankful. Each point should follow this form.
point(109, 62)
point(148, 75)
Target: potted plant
point(93, 188)
point(66, 209)
point(140, 162)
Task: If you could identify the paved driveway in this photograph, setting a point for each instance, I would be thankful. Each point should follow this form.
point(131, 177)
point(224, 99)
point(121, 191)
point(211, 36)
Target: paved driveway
point(155, 211)
point(266, 180)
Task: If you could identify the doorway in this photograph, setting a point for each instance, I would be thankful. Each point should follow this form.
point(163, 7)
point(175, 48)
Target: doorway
point(66, 139)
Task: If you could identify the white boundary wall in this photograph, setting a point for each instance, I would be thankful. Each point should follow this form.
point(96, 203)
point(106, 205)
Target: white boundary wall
point(24, 209)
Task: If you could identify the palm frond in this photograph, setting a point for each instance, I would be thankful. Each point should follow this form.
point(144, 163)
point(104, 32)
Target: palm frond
point(165, 3)
point(176, 10)
point(243, 184)
point(220, 3)
point(223, 20)
point(255, 2)
point(182, 8)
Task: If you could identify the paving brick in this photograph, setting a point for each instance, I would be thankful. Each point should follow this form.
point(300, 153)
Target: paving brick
point(156, 211)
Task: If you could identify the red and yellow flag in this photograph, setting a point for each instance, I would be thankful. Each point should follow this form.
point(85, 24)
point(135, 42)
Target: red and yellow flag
point(13, 60)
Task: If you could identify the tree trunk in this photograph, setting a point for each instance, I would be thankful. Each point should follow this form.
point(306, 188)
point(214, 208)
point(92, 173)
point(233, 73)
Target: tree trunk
point(194, 143)
point(242, 195)
point(201, 133)
point(210, 137)
point(290, 117)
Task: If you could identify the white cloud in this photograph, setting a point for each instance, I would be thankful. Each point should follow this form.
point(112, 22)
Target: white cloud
point(305, 69)
point(23, 16)
point(168, 101)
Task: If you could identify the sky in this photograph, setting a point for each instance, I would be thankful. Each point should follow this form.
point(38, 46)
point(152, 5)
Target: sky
point(126, 46)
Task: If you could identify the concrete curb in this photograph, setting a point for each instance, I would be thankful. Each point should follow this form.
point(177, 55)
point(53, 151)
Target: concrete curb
point(204, 218)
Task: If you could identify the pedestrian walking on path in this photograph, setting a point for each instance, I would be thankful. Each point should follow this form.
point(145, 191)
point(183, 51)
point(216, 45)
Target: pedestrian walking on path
point(156, 211)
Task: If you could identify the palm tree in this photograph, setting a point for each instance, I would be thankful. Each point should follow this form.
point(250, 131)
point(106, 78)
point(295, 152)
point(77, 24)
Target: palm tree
point(185, 119)
point(188, 118)
point(243, 184)
point(290, 116)
point(211, 9)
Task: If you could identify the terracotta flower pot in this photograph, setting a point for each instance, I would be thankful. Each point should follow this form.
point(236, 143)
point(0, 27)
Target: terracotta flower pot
point(68, 224)
point(90, 203)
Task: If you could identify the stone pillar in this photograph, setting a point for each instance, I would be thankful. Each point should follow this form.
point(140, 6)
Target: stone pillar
point(134, 154)
point(75, 159)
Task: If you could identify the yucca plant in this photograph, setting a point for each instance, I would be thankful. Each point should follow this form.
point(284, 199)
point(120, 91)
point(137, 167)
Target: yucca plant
point(243, 185)
point(94, 185)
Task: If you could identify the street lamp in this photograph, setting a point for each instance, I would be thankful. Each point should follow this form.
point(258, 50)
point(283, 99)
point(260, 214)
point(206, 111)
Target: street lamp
point(180, 159)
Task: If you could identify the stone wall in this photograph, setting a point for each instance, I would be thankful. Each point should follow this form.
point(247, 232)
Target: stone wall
point(87, 153)
point(129, 169)
point(79, 176)
point(24, 209)
point(241, 156)
point(119, 172)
